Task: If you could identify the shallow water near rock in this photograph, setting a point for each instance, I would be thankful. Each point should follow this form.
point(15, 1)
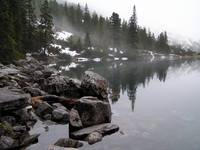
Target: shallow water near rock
point(155, 104)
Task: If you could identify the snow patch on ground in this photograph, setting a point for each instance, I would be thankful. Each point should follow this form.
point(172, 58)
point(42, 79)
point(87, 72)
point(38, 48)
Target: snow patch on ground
point(71, 53)
point(63, 35)
point(56, 46)
point(51, 65)
point(68, 67)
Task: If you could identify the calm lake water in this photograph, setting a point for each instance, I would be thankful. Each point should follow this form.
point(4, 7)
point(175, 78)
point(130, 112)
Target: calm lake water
point(156, 105)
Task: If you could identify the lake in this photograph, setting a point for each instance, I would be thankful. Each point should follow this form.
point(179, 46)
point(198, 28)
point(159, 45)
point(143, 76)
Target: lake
point(156, 104)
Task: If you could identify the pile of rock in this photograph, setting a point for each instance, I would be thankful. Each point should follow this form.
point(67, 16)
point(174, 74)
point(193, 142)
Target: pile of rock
point(30, 84)
point(15, 119)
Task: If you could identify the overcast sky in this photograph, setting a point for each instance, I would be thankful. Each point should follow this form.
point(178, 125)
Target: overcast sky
point(179, 17)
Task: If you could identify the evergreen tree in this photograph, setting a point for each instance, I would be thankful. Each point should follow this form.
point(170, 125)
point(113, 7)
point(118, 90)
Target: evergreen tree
point(115, 26)
point(45, 27)
point(87, 41)
point(7, 41)
point(133, 28)
point(86, 19)
point(30, 28)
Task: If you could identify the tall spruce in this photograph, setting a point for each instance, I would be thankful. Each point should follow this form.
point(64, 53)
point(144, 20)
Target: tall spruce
point(115, 26)
point(132, 31)
point(7, 41)
point(45, 27)
point(30, 28)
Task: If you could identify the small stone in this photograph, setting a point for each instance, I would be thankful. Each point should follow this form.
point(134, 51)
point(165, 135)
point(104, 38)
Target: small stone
point(30, 140)
point(67, 142)
point(59, 105)
point(47, 117)
point(60, 115)
point(43, 109)
point(94, 137)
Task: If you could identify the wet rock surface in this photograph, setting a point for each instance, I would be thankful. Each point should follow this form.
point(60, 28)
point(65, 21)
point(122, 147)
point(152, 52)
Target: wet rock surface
point(67, 142)
point(54, 147)
point(92, 111)
point(104, 129)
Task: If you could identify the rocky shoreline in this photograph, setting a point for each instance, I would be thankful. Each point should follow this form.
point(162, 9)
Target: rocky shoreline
point(30, 91)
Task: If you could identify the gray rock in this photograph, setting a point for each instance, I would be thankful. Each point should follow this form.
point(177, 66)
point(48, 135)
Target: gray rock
point(30, 140)
point(19, 128)
point(59, 105)
point(94, 137)
point(25, 115)
point(9, 71)
point(47, 117)
point(93, 111)
point(67, 142)
point(43, 109)
point(74, 120)
point(11, 99)
point(54, 147)
point(10, 119)
point(6, 142)
point(94, 85)
point(60, 85)
point(34, 91)
point(60, 115)
point(103, 129)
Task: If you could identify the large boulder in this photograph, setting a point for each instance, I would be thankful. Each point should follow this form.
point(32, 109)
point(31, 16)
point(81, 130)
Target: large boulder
point(92, 112)
point(94, 85)
point(13, 99)
point(60, 85)
point(104, 129)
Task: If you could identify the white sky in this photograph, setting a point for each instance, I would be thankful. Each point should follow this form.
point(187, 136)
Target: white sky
point(178, 17)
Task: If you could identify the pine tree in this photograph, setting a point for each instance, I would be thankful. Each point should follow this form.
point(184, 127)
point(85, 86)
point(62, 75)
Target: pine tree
point(133, 28)
point(30, 28)
point(115, 26)
point(7, 41)
point(45, 27)
point(87, 41)
point(86, 19)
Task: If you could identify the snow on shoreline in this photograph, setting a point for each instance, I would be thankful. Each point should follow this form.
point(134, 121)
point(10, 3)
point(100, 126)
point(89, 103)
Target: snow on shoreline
point(63, 35)
point(67, 51)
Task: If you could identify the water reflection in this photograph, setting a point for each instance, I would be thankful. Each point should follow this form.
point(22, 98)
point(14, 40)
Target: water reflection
point(127, 76)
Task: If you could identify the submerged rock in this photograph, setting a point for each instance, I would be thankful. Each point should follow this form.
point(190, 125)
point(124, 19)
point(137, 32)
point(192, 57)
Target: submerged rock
point(67, 142)
point(93, 111)
point(54, 147)
point(104, 129)
point(94, 85)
